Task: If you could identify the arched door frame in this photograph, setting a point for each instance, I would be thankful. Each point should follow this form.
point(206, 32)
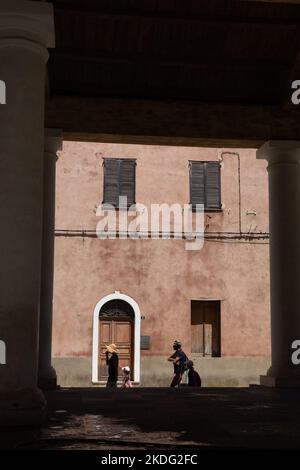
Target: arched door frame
point(137, 333)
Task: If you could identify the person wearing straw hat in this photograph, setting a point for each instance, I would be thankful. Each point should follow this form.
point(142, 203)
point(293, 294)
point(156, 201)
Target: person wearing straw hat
point(112, 361)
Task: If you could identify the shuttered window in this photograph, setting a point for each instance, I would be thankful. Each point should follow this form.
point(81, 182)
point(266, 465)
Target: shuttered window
point(205, 185)
point(119, 180)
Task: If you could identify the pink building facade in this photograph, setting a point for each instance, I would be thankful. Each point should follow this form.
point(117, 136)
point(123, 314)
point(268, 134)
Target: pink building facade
point(215, 300)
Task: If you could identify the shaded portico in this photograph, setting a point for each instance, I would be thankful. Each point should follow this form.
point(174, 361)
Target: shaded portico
point(133, 83)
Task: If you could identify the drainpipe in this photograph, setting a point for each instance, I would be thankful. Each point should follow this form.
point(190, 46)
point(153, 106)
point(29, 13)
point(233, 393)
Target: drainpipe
point(235, 154)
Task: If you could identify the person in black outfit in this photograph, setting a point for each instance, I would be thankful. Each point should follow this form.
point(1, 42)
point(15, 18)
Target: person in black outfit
point(194, 379)
point(179, 359)
point(112, 361)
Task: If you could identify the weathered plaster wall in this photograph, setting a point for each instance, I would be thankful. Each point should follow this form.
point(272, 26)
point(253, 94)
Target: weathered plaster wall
point(161, 275)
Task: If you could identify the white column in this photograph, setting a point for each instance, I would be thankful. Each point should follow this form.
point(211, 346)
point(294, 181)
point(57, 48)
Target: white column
point(26, 30)
point(284, 205)
point(47, 378)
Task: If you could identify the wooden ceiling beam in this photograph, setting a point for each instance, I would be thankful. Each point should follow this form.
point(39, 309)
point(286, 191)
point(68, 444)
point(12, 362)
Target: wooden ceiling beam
point(254, 17)
point(170, 122)
point(143, 59)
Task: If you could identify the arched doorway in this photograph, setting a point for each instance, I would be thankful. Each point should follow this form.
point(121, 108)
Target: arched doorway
point(116, 325)
point(116, 320)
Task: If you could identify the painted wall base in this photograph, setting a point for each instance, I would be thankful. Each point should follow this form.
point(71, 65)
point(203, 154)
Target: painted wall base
point(157, 372)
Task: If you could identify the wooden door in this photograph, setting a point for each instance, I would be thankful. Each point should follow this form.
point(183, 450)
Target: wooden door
point(206, 328)
point(120, 332)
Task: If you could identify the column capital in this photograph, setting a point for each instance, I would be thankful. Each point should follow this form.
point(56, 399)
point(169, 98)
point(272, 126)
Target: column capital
point(53, 141)
point(280, 152)
point(27, 20)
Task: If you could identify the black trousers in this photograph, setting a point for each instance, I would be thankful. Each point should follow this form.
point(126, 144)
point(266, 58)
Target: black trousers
point(111, 384)
point(176, 380)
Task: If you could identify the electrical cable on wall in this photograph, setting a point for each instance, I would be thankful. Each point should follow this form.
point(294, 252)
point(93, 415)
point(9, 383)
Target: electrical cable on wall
point(208, 236)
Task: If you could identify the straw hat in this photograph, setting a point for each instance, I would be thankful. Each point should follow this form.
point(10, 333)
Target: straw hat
point(112, 348)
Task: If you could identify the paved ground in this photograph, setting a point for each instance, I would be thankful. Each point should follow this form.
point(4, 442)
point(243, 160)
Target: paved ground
point(164, 419)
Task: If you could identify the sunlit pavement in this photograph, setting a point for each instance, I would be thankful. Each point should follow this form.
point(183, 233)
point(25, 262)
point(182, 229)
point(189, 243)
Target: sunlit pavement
point(163, 418)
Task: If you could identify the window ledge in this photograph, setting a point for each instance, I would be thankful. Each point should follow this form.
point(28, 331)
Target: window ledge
point(209, 210)
point(108, 206)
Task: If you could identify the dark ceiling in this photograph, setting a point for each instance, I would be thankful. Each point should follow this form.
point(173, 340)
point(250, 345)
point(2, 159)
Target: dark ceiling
point(208, 51)
point(175, 72)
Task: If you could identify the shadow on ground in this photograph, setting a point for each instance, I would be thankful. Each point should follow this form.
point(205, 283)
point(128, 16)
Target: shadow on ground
point(164, 418)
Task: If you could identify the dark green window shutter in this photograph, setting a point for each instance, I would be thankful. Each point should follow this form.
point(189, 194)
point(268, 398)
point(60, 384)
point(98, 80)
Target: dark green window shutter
point(205, 185)
point(127, 180)
point(119, 180)
point(111, 181)
point(212, 186)
point(197, 183)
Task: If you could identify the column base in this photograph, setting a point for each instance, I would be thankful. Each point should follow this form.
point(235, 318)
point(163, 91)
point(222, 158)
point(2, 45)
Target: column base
point(279, 382)
point(22, 407)
point(47, 380)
